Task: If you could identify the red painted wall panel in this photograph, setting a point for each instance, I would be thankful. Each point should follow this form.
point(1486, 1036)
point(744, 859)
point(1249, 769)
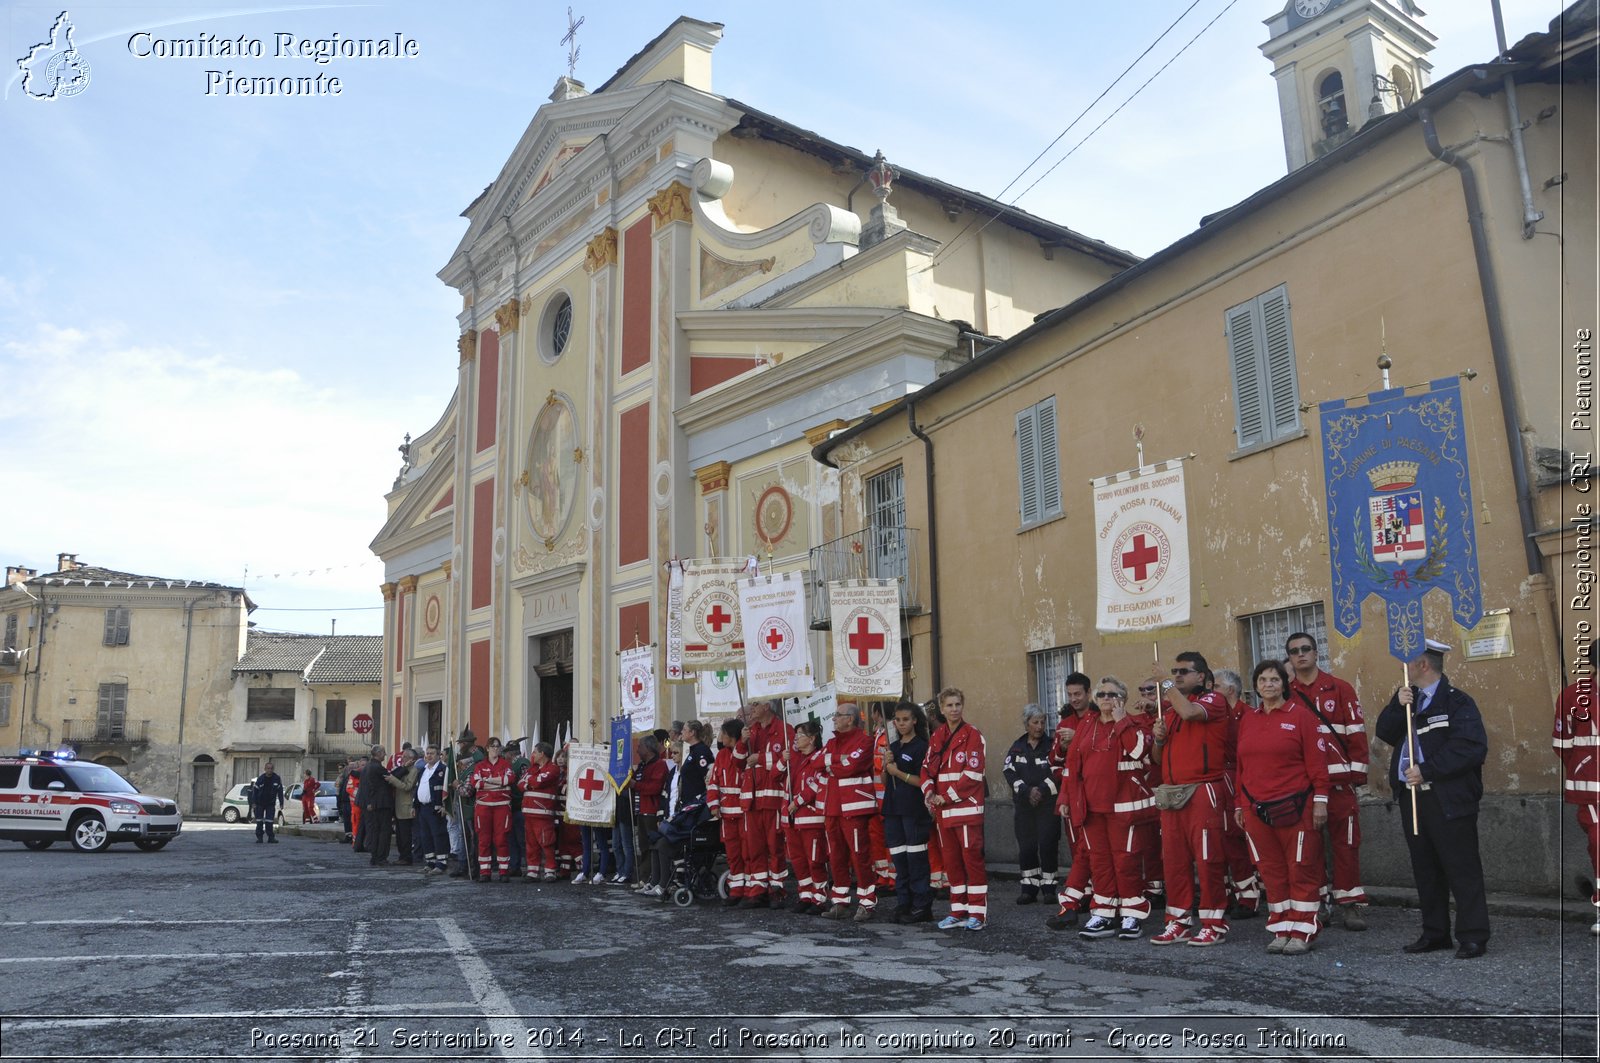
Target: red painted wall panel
point(636, 254)
point(478, 688)
point(447, 501)
point(633, 483)
point(482, 542)
point(627, 617)
point(706, 372)
point(488, 387)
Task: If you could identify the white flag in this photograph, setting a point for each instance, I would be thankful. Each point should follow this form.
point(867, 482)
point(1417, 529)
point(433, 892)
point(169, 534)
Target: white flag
point(777, 652)
point(718, 694)
point(638, 675)
point(712, 635)
point(590, 798)
point(866, 637)
point(818, 706)
point(1141, 550)
point(674, 641)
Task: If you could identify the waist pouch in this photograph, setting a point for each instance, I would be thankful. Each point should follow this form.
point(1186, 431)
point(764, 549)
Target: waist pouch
point(1282, 812)
point(1172, 796)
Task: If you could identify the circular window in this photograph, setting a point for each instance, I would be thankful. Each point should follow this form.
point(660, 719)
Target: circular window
point(556, 330)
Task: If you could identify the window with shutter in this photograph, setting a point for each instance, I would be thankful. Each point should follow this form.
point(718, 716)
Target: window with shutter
point(333, 716)
point(11, 631)
point(116, 633)
point(5, 705)
point(1266, 387)
point(111, 719)
point(1038, 463)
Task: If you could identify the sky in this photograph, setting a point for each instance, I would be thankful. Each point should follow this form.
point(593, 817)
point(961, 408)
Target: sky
point(220, 315)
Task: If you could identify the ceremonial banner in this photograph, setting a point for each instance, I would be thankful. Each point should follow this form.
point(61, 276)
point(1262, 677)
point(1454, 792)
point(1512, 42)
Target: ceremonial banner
point(777, 652)
point(819, 705)
point(1400, 509)
point(712, 635)
point(866, 637)
point(637, 670)
point(619, 765)
point(1141, 550)
point(718, 694)
point(674, 626)
point(590, 800)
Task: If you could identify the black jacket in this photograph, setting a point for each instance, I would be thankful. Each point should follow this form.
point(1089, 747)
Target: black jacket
point(266, 793)
point(374, 792)
point(902, 798)
point(1454, 747)
point(1027, 766)
point(692, 774)
point(436, 785)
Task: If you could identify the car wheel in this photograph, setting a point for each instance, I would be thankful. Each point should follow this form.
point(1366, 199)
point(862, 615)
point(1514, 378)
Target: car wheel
point(39, 843)
point(89, 833)
point(152, 845)
point(230, 815)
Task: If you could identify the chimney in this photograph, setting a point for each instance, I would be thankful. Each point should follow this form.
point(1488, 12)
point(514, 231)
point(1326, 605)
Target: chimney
point(18, 574)
point(66, 562)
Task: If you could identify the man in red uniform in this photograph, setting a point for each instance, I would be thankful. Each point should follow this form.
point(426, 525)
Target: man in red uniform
point(1577, 743)
point(1191, 733)
point(1333, 702)
point(765, 749)
point(953, 787)
point(1073, 896)
point(541, 785)
point(491, 782)
point(1242, 878)
point(727, 805)
point(851, 803)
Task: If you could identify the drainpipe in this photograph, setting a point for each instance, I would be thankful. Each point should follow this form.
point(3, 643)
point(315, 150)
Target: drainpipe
point(1497, 335)
point(933, 549)
point(183, 693)
point(38, 667)
point(1530, 216)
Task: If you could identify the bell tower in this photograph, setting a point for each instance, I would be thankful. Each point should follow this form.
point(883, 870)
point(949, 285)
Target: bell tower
point(1341, 63)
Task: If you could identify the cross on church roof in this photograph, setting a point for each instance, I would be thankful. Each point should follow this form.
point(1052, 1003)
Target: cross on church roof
point(571, 41)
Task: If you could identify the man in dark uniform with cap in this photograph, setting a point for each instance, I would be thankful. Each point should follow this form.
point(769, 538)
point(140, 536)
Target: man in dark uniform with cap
point(1442, 763)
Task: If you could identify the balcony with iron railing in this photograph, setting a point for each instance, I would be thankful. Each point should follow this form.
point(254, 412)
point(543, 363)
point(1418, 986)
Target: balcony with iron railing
point(109, 733)
point(874, 552)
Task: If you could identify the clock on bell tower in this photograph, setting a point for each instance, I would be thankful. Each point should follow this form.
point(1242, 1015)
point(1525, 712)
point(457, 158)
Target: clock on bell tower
point(1328, 57)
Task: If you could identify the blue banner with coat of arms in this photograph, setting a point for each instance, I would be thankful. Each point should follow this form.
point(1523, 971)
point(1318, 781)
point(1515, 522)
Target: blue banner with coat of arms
point(1400, 509)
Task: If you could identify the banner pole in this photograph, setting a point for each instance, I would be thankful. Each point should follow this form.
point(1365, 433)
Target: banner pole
point(1411, 744)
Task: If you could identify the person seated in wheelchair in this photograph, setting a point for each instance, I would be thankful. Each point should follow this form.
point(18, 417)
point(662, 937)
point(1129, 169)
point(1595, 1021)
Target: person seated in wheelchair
point(682, 841)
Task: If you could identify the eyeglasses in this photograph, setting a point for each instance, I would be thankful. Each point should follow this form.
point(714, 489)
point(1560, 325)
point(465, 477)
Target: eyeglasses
point(1182, 671)
point(1147, 690)
point(1107, 694)
point(1302, 649)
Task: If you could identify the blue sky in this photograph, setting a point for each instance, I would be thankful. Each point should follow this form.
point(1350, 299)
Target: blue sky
point(219, 314)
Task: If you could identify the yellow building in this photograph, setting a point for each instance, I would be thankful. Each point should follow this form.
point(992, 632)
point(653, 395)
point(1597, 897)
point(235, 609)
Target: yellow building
point(663, 292)
point(1412, 236)
point(131, 671)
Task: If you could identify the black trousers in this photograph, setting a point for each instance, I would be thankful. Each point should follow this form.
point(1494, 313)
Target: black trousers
point(1038, 841)
point(379, 832)
point(906, 838)
point(1445, 861)
point(402, 839)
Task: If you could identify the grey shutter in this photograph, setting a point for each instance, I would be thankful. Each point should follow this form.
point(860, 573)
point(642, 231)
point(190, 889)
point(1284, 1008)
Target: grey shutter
point(1243, 352)
point(1283, 388)
point(110, 638)
point(1049, 460)
point(1028, 466)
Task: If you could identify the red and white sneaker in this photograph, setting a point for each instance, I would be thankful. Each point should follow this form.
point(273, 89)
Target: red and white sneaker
point(1173, 934)
point(1208, 935)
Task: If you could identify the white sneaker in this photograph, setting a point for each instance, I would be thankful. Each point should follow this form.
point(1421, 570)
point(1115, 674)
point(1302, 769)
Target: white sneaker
point(1596, 928)
point(1131, 928)
point(619, 879)
point(1098, 926)
point(950, 922)
point(579, 879)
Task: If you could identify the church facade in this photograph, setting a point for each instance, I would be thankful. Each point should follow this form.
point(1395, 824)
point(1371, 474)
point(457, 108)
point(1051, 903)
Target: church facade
point(668, 297)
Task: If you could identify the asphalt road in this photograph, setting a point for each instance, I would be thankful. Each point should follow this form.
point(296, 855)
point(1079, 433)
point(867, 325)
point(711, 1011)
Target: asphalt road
point(218, 948)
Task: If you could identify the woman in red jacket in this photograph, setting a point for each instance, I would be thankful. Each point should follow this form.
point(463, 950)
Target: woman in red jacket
point(1282, 806)
point(807, 811)
point(1107, 766)
point(309, 788)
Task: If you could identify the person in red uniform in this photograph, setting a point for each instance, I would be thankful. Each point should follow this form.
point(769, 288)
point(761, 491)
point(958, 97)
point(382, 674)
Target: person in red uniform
point(649, 785)
point(727, 806)
point(808, 842)
point(1191, 733)
point(1145, 709)
point(852, 802)
point(358, 764)
point(765, 749)
point(1335, 705)
point(1106, 769)
point(491, 781)
point(882, 865)
point(309, 788)
point(953, 788)
point(1073, 895)
point(1243, 883)
point(1283, 806)
point(541, 786)
point(1577, 743)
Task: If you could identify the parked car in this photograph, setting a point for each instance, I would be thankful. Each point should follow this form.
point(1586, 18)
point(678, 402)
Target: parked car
point(327, 800)
point(46, 797)
point(236, 803)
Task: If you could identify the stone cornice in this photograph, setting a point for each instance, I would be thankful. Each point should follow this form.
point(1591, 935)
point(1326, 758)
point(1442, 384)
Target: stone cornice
point(506, 317)
point(714, 477)
point(388, 590)
point(408, 584)
point(446, 567)
point(467, 346)
point(601, 251)
point(821, 432)
point(669, 205)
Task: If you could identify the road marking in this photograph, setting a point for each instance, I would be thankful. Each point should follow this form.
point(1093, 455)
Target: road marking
point(454, 1009)
point(208, 922)
point(496, 1004)
point(135, 956)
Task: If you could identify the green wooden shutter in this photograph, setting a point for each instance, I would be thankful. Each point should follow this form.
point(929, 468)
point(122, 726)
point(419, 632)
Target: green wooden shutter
point(1049, 460)
point(1241, 331)
point(1283, 387)
point(1028, 465)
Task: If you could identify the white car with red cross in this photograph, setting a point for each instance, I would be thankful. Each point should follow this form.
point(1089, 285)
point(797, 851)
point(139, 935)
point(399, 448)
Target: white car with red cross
point(46, 797)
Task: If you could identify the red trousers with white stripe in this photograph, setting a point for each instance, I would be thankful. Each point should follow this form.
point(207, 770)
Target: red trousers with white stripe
point(1241, 868)
point(1589, 821)
point(1344, 845)
point(1290, 861)
point(493, 823)
point(1191, 847)
point(961, 841)
point(850, 849)
point(763, 851)
point(808, 855)
point(733, 849)
point(539, 843)
point(1074, 889)
point(1113, 842)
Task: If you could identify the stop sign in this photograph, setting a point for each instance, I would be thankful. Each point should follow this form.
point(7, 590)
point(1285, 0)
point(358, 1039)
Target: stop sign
point(362, 724)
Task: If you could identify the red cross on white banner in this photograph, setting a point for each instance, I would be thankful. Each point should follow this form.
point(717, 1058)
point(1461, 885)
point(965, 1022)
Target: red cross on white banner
point(864, 640)
point(1139, 559)
point(590, 783)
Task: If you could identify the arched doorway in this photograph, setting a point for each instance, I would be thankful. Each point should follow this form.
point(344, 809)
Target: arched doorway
point(202, 797)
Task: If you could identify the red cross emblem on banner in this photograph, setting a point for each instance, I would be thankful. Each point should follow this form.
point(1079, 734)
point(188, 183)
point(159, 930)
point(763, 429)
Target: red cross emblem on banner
point(863, 640)
point(718, 619)
point(774, 638)
point(589, 784)
point(1139, 559)
point(637, 689)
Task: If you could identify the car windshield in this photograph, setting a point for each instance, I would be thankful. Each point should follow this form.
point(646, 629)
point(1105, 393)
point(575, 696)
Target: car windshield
point(97, 778)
